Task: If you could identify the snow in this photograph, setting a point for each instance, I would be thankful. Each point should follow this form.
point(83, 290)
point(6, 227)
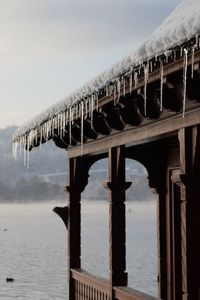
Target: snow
point(179, 27)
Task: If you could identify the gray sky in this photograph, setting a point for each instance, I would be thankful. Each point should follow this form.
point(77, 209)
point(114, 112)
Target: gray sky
point(49, 48)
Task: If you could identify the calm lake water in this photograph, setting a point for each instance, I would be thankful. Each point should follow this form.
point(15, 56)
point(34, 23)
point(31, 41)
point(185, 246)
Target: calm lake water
point(33, 248)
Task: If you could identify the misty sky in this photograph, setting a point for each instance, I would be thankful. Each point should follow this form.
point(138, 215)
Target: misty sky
point(48, 48)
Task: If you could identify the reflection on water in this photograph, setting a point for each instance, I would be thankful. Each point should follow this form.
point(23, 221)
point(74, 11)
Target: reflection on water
point(33, 248)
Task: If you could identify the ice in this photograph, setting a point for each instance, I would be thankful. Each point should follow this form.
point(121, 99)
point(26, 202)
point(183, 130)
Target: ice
point(70, 126)
point(136, 79)
point(192, 63)
point(92, 109)
point(182, 25)
point(124, 86)
point(146, 75)
point(118, 89)
point(161, 85)
point(185, 67)
point(82, 120)
point(131, 82)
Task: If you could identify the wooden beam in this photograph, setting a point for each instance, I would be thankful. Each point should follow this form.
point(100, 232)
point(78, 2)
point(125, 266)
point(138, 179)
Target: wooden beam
point(145, 133)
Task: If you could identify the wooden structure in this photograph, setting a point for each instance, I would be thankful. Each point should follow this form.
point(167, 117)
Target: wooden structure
point(168, 145)
point(156, 122)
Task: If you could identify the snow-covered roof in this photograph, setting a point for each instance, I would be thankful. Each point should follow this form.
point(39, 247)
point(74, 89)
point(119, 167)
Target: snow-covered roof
point(182, 25)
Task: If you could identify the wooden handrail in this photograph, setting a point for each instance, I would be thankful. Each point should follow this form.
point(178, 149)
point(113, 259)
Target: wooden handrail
point(125, 293)
point(102, 286)
point(96, 282)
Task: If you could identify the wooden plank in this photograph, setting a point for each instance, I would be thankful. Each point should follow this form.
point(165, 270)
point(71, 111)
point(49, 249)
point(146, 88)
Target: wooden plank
point(133, 136)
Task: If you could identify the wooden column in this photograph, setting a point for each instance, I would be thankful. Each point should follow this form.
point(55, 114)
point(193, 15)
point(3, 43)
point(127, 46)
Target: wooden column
point(190, 211)
point(161, 238)
point(78, 179)
point(117, 218)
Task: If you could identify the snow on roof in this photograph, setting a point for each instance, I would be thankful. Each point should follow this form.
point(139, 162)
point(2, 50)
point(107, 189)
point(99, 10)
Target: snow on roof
point(179, 27)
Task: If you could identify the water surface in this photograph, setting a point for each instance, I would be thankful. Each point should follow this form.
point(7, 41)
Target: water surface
point(33, 248)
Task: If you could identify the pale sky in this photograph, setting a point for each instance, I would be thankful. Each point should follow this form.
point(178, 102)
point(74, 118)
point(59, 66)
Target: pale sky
point(48, 48)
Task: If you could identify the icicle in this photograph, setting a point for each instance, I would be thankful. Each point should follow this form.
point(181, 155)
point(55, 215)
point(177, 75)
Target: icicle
point(118, 89)
point(28, 153)
point(24, 157)
point(167, 54)
point(24, 143)
point(175, 55)
point(146, 74)
point(82, 111)
point(97, 101)
point(114, 93)
point(131, 82)
point(124, 87)
point(181, 52)
point(89, 106)
point(92, 108)
point(67, 117)
point(197, 40)
point(161, 85)
point(150, 66)
point(20, 147)
point(192, 63)
point(86, 107)
point(53, 127)
point(40, 135)
point(63, 123)
point(73, 113)
point(70, 125)
point(136, 79)
point(185, 66)
point(15, 150)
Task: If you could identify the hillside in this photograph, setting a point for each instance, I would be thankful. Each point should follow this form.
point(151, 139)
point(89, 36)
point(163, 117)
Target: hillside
point(47, 174)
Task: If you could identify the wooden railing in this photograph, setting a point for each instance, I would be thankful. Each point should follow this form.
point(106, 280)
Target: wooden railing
point(125, 293)
point(89, 287)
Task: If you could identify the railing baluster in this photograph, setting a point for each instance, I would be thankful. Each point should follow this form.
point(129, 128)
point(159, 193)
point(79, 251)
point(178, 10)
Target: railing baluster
point(86, 294)
point(88, 287)
point(75, 285)
point(81, 294)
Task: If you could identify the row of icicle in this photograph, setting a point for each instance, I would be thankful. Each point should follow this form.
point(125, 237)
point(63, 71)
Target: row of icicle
point(85, 108)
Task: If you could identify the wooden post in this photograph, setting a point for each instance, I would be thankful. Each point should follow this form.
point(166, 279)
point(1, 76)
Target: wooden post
point(74, 223)
point(117, 218)
point(190, 211)
point(161, 238)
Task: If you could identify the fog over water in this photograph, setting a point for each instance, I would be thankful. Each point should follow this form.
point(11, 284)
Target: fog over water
point(33, 248)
